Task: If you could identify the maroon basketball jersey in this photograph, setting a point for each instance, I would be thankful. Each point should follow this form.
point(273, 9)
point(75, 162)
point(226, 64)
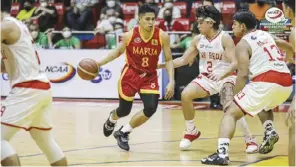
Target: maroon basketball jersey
point(143, 55)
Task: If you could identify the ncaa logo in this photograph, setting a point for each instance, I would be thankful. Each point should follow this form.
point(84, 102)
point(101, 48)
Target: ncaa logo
point(274, 15)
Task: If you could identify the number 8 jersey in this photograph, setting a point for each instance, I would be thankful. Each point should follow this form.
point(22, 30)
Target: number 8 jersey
point(143, 54)
point(21, 60)
point(212, 54)
point(266, 56)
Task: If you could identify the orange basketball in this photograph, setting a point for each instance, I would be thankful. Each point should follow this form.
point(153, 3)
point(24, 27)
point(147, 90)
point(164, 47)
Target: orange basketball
point(87, 69)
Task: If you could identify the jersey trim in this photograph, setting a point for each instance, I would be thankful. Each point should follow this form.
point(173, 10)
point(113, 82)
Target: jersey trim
point(147, 40)
point(283, 79)
point(148, 91)
point(127, 98)
point(210, 40)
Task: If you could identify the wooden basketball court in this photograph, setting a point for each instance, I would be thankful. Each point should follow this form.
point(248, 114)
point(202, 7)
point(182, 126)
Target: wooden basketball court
point(78, 128)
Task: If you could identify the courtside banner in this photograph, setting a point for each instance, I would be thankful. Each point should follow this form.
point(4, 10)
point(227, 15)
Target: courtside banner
point(60, 67)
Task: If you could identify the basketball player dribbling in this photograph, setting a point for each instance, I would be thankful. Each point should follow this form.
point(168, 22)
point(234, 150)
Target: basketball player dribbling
point(28, 104)
point(217, 63)
point(260, 61)
point(142, 46)
point(289, 10)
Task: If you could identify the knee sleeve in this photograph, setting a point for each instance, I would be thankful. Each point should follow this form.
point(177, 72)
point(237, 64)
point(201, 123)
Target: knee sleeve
point(6, 150)
point(48, 145)
point(150, 104)
point(124, 108)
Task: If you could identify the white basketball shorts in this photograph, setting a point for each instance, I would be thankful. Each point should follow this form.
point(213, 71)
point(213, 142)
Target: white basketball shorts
point(213, 87)
point(28, 108)
point(258, 95)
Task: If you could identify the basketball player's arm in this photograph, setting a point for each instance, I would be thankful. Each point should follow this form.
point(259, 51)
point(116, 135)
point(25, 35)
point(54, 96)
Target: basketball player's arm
point(286, 47)
point(113, 54)
point(169, 64)
point(3, 70)
point(243, 54)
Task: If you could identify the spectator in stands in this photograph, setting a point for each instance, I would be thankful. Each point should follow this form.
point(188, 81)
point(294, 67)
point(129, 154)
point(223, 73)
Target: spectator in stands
point(47, 15)
point(169, 24)
point(186, 40)
point(27, 10)
point(168, 4)
point(79, 16)
point(112, 38)
point(259, 8)
point(112, 6)
point(40, 38)
point(69, 41)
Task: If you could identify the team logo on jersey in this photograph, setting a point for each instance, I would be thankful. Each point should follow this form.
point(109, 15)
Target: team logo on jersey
point(154, 42)
point(104, 74)
point(137, 40)
point(253, 37)
point(201, 45)
point(60, 73)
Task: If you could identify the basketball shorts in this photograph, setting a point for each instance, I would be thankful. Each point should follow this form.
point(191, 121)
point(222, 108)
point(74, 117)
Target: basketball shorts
point(213, 87)
point(132, 81)
point(28, 106)
point(265, 92)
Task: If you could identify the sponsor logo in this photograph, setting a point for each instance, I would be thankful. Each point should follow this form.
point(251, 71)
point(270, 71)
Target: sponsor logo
point(253, 37)
point(274, 15)
point(60, 73)
point(104, 74)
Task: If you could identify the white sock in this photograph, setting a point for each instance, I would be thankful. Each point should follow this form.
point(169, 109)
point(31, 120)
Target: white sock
point(111, 119)
point(126, 128)
point(268, 125)
point(242, 123)
point(190, 126)
point(223, 144)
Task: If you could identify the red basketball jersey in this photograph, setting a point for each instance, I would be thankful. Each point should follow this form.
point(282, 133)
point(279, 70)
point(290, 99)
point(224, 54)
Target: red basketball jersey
point(143, 55)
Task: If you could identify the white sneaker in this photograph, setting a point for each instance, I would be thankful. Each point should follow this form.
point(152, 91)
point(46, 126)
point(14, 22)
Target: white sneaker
point(188, 138)
point(251, 145)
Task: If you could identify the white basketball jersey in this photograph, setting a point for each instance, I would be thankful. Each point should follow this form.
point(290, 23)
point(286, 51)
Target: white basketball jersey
point(266, 56)
point(212, 54)
point(21, 60)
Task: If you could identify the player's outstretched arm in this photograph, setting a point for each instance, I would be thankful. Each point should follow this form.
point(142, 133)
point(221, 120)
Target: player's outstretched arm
point(243, 54)
point(118, 51)
point(229, 47)
point(187, 57)
point(169, 64)
point(3, 70)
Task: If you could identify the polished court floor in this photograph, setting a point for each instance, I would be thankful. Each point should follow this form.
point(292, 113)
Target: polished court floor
point(78, 130)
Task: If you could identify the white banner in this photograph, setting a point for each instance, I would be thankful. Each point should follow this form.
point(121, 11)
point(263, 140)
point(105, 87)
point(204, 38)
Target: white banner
point(60, 66)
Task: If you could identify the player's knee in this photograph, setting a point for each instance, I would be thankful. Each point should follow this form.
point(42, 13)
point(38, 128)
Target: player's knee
point(149, 110)
point(234, 112)
point(124, 108)
point(186, 95)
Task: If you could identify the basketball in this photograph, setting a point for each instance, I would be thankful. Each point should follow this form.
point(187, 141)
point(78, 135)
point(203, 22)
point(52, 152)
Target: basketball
point(87, 69)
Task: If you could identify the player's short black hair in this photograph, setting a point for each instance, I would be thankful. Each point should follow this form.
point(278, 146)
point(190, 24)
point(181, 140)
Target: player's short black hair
point(212, 1)
point(246, 17)
point(211, 12)
point(290, 4)
point(5, 6)
point(146, 8)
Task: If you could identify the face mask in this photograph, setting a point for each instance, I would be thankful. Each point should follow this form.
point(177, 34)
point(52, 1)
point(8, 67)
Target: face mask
point(110, 4)
point(27, 8)
point(43, 4)
point(67, 34)
point(34, 34)
point(112, 19)
point(169, 5)
point(168, 18)
point(119, 31)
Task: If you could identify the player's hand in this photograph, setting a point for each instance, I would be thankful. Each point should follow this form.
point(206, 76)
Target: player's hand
point(290, 118)
point(215, 77)
point(170, 88)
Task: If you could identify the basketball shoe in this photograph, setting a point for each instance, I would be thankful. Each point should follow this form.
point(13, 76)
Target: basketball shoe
point(108, 127)
point(251, 145)
point(122, 139)
point(269, 140)
point(215, 159)
point(188, 138)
